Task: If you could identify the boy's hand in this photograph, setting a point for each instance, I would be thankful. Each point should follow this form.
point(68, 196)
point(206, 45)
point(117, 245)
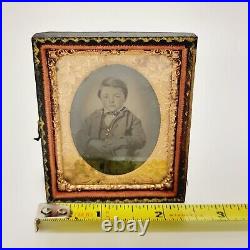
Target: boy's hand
point(116, 143)
point(99, 145)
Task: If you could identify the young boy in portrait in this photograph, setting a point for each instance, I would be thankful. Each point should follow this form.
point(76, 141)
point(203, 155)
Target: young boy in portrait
point(110, 136)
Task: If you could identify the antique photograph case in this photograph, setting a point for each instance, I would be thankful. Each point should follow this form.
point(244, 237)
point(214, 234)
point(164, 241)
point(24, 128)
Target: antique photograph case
point(114, 114)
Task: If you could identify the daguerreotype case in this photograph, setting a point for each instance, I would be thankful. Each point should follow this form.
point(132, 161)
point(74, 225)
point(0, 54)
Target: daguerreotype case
point(114, 114)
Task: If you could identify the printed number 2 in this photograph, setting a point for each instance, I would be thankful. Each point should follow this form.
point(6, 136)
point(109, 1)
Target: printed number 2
point(158, 214)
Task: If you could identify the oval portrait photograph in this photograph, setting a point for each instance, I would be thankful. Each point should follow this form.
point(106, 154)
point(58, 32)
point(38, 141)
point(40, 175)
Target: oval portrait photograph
point(115, 119)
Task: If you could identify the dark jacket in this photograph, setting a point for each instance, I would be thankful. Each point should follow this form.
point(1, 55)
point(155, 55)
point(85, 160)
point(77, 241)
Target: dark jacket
point(125, 126)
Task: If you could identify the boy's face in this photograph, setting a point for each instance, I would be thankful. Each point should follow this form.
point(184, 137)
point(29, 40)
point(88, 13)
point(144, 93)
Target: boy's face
point(112, 98)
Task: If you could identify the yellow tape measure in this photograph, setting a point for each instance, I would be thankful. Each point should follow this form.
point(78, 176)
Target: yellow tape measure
point(152, 212)
point(159, 212)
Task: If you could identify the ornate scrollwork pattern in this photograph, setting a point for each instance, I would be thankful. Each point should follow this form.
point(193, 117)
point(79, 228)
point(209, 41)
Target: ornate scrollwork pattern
point(167, 183)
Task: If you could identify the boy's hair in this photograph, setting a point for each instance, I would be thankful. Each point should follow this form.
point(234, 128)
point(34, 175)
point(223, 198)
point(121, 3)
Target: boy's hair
point(113, 82)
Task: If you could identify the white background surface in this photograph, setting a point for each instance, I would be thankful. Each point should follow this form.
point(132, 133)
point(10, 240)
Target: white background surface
point(218, 148)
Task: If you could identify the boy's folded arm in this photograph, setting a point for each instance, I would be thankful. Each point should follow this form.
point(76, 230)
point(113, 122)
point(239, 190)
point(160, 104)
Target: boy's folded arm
point(83, 138)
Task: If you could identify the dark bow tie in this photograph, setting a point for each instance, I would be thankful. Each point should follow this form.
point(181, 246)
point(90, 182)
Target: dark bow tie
point(114, 113)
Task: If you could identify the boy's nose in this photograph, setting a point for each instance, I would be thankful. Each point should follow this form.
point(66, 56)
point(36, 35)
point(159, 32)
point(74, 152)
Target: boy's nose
point(111, 100)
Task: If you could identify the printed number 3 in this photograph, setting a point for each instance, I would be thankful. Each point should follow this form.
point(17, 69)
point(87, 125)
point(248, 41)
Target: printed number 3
point(221, 214)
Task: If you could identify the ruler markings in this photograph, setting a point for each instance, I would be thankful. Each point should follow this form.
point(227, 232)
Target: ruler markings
point(159, 212)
